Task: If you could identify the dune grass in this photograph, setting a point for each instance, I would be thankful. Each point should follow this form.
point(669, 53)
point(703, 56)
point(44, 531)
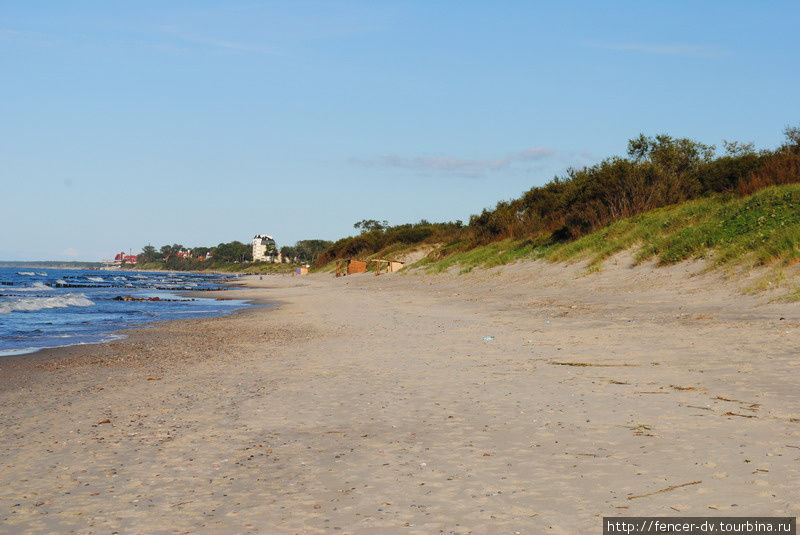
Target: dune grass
point(761, 229)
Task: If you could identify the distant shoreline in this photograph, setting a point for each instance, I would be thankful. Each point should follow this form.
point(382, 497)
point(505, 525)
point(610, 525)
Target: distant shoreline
point(51, 265)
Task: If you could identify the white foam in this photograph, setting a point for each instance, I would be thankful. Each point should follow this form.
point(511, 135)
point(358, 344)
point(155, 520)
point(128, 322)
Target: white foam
point(27, 273)
point(35, 287)
point(23, 351)
point(95, 279)
point(29, 304)
point(61, 281)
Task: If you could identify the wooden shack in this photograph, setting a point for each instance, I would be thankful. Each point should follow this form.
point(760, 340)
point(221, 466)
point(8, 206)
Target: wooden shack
point(389, 265)
point(356, 266)
point(350, 266)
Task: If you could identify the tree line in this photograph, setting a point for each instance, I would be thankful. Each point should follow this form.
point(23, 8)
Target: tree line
point(224, 253)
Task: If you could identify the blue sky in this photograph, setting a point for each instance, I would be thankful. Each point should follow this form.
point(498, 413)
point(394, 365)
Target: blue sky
point(198, 122)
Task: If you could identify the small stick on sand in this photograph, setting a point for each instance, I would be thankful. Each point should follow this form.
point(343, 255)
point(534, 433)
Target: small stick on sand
point(673, 487)
point(699, 407)
point(587, 364)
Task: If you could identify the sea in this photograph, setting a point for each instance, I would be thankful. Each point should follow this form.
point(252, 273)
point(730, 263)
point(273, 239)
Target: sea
point(42, 308)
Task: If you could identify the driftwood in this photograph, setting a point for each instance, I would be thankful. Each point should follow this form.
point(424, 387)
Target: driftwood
point(673, 487)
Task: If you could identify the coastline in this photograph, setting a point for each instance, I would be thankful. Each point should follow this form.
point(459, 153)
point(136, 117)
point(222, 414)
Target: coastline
point(374, 403)
point(199, 294)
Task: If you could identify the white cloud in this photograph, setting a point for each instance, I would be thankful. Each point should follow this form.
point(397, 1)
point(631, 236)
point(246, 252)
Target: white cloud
point(471, 167)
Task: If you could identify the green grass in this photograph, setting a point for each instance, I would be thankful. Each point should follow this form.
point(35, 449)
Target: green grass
point(758, 230)
point(761, 229)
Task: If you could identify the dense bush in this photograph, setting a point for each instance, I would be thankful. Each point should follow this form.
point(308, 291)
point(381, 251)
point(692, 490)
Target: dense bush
point(376, 236)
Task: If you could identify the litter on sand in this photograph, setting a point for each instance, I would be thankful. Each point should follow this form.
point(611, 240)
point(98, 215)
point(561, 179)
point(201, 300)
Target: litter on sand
point(488, 338)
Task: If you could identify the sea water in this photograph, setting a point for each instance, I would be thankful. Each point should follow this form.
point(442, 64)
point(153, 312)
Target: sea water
point(42, 308)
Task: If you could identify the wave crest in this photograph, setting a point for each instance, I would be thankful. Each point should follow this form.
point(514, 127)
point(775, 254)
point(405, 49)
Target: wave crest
point(29, 304)
point(35, 287)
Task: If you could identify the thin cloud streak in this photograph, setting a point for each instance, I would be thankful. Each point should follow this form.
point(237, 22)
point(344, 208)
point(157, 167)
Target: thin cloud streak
point(220, 44)
point(692, 51)
point(468, 167)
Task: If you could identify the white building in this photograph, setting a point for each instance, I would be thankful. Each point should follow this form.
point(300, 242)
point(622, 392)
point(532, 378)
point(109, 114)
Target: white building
point(264, 248)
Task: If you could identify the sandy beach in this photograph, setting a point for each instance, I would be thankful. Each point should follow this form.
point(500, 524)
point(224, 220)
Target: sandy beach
point(531, 398)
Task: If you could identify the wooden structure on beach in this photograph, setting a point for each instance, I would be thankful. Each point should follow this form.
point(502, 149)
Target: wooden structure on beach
point(390, 265)
point(349, 267)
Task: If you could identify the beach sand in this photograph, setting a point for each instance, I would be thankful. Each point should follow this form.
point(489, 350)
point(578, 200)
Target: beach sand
point(371, 404)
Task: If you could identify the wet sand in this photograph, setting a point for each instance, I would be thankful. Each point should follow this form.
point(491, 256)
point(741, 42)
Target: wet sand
point(374, 405)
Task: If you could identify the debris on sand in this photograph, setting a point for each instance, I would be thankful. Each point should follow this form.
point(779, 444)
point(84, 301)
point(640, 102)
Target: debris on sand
point(641, 430)
point(673, 487)
point(587, 364)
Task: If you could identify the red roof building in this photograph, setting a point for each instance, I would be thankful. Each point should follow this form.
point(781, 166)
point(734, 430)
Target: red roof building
point(126, 258)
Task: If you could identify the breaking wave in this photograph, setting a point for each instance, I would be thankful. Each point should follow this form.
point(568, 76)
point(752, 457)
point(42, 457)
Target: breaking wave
point(28, 304)
point(35, 287)
point(95, 279)
point(27, 273)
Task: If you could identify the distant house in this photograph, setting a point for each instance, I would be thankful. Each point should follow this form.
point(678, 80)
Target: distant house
point(185, 254)
point(125, 258)
point(264, 248)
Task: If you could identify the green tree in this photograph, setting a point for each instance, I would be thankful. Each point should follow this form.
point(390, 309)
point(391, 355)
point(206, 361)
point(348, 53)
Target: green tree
point(289, 252)
point(792, 144)
point(309, 250)
point(148, 254)
point(234, 251)
point(370, 225)
point(197, 252)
